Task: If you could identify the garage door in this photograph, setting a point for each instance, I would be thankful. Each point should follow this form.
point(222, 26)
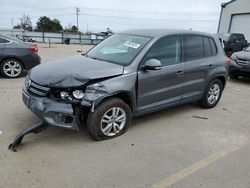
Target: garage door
point(241, 24)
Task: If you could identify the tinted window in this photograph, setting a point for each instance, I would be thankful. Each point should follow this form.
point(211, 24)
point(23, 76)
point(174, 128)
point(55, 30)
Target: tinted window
point(213, 46)
point(167, 50)
point(3, 41)
point(207, 47)
point(193, 47)
point(240, 37)
point(233, 37)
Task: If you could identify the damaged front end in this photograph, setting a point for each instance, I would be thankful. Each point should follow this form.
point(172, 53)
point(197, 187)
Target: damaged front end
point(62, 107)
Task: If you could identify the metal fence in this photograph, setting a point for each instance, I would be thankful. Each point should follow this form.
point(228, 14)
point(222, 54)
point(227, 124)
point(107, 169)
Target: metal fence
point(49, 37)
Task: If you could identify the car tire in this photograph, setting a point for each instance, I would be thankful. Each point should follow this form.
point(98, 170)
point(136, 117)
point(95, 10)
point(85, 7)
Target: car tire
point(110, 119)
point(11, 68)
point(233, 76)
point(212, 94)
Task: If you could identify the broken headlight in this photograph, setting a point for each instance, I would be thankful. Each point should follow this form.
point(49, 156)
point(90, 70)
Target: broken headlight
point(64, 94)
point(78, 94)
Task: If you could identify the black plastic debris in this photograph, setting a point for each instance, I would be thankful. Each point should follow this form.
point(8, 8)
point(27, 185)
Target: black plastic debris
point(37, 128)
point(200, 117)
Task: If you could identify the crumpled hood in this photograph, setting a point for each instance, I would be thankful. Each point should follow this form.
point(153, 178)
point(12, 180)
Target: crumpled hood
point(241, 55)
point(73, 71)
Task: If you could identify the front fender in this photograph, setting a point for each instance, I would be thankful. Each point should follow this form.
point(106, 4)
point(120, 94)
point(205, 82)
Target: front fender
point(118, 86)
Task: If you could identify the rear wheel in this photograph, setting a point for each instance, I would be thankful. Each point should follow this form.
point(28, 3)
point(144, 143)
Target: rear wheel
point(110, 119)
point(212, 94)
point(11, 68)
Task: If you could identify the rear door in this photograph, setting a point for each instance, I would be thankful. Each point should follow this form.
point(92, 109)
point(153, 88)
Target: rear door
point(199, 54)
point(161, 88)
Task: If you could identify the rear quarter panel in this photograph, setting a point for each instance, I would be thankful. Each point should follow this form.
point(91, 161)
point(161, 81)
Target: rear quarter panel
point(20, 51)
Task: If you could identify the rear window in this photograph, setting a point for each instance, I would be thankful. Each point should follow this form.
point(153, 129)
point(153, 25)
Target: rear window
point(213, 46)
point(207, 47)
point(198, 47)
point(239, 36)
point(2, 40)
point(193, 47)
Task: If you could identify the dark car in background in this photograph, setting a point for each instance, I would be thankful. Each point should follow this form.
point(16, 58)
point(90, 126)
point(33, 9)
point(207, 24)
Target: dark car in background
point(17, 56)
point(232, 42)
point(128, 74)
point(240, 64)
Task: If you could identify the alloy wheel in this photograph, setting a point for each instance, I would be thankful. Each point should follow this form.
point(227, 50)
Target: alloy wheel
point(113, 121)
point(12, 68)
point(213, 94)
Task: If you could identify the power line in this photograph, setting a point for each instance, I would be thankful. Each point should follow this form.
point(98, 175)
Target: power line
point(153, 12)
point(154, 19)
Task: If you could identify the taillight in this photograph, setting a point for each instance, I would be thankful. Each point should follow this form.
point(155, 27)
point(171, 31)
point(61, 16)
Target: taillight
point(228, 61)
point(33, 48)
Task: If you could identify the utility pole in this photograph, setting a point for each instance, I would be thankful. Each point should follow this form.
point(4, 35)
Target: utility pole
point(77, 14)
point(12, 24)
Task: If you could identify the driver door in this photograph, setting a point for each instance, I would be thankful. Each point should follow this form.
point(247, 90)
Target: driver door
point(161, 88)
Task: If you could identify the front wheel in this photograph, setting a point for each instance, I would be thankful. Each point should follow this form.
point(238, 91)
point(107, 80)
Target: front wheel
point(11, 68)
point(212, 94)
point(110, 119)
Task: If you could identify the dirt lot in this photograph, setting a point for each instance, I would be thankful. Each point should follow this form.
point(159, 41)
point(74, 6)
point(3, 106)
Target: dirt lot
point(182, 147)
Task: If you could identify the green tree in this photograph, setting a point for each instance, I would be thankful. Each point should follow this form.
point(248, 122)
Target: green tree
point(57, 25)
point(44, 23)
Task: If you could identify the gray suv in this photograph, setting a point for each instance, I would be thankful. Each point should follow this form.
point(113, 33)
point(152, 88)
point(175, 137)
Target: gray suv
point(129, 74)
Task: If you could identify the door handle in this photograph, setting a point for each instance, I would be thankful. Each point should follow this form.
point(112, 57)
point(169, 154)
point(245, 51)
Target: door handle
point(211, 65)
point(180, 72)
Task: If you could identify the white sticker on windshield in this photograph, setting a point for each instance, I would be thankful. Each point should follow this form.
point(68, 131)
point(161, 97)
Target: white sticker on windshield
point(132, 45)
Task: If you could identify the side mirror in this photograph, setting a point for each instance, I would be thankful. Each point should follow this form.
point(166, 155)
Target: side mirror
point(153, 64)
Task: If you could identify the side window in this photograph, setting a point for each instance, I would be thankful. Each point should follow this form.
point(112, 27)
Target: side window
point(1, 40)
point(207, 47)
point(213, 46)
point(193, 47)
point(232, 38)
point(167, 50)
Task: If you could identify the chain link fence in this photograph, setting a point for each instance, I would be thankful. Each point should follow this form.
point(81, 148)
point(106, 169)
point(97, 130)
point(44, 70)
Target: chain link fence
point(50, 37)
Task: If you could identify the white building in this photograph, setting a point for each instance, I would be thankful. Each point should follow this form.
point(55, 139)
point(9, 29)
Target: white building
point(235, 17)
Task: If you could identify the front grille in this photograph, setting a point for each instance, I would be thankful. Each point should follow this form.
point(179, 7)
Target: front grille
point(243, 62)
point(38, 90)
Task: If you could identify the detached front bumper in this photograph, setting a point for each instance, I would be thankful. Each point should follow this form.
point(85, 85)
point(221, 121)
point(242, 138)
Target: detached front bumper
point(51, 112)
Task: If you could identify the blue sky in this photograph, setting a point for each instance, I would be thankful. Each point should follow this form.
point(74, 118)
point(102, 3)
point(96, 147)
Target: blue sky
point(96, 15)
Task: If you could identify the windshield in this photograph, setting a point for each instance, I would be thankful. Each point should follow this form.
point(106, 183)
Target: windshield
point(119, 49)
point(248, 49)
